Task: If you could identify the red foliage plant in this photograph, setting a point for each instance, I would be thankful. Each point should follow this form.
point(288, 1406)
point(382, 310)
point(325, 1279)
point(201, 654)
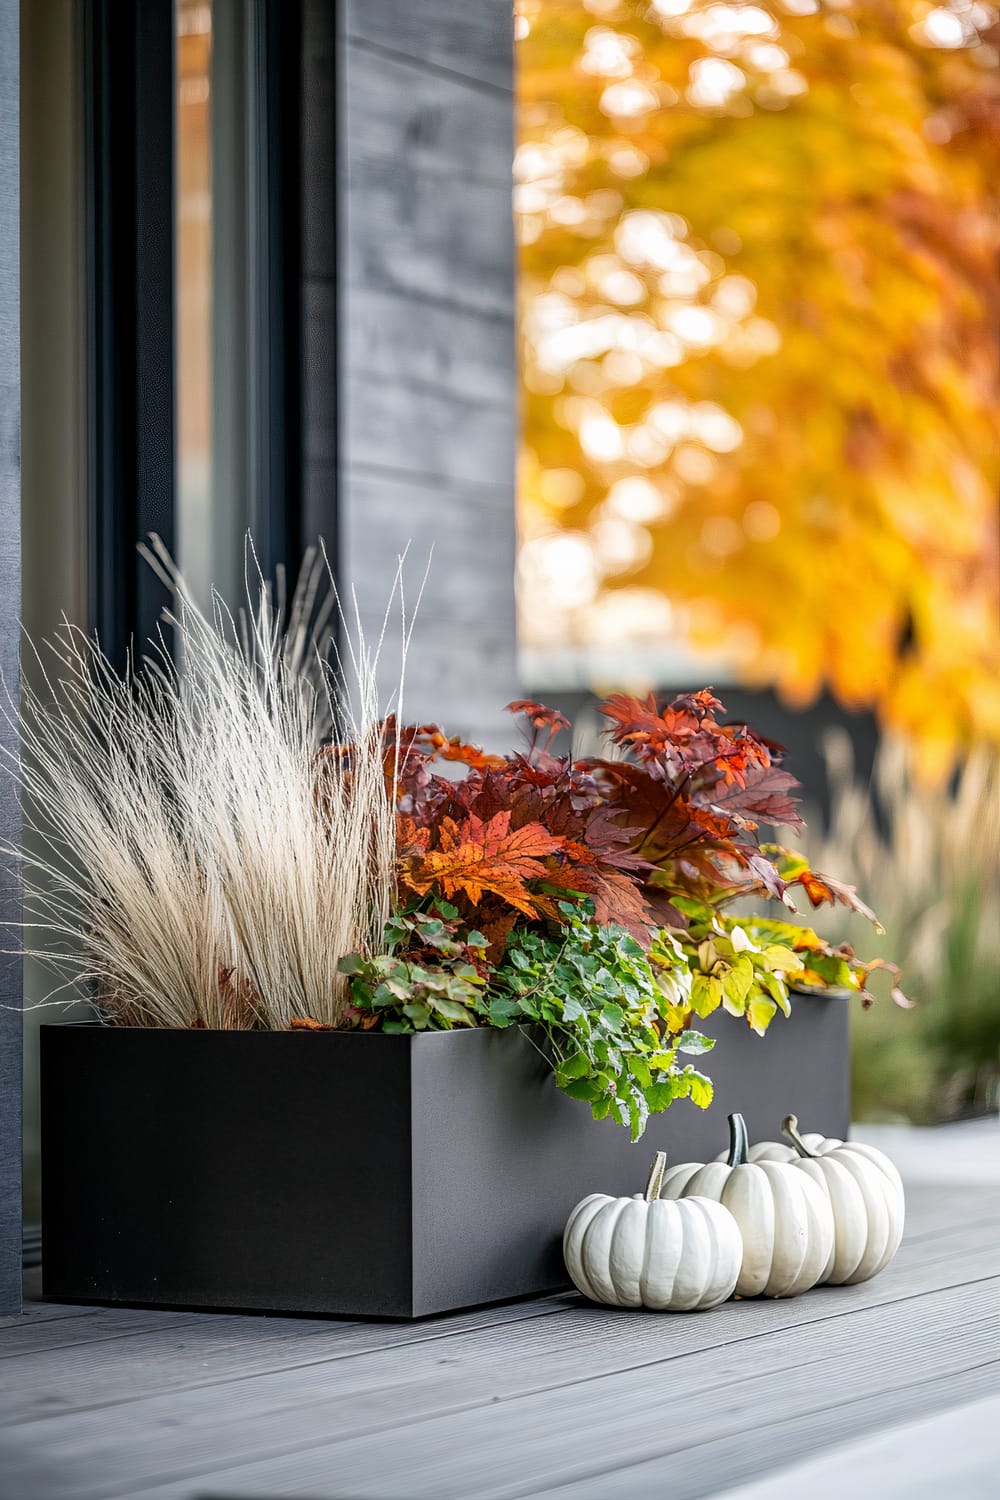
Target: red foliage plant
point(671, 814)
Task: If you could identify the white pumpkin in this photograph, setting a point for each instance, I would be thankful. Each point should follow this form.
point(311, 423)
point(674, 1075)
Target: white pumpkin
point(866, 1195)
point(785, 1219)
point(647, 1252)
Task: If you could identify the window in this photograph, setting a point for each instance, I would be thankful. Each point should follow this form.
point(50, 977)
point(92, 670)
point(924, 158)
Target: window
point(192, 133)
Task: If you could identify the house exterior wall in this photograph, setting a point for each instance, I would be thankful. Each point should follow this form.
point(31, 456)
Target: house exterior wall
point(421, 314)
point(409, 420)
point(10, 609)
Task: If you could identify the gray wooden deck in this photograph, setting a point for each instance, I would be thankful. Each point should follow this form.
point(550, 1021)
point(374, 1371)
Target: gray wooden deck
point(885, 1389)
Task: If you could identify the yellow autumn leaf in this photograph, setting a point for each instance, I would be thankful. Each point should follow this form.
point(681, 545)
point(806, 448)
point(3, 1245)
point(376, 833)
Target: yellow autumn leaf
point(761, 404)
point(760, 1014)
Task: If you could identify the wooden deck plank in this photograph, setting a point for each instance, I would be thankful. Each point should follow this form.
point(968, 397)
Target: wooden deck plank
point(585, 1433)
point(552, 1396)
point(211, 1351)
point(411, 1394)
point(58, 1334)
point(168, 1377)
point(41, 1312)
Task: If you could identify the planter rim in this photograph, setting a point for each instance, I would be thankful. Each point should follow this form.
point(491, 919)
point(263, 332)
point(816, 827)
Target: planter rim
point(194, 1031)
point(839, 994)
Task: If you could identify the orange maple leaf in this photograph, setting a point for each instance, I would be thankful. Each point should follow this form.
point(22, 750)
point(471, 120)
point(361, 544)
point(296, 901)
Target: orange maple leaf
point(475, 858)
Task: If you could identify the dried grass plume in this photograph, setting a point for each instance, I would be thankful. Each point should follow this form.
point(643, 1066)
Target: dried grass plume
point(192, 859)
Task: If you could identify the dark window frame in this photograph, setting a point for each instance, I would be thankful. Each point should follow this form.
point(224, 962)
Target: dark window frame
point(129, 174)
point(274, 342)
point(129, 92)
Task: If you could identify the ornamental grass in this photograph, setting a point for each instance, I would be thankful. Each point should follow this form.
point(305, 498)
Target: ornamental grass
point(183, 864)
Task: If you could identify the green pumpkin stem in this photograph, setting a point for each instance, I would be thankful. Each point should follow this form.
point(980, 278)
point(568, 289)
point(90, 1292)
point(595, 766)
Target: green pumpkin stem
point(739, 1142)
point(790, 1128)
point(656, 1177)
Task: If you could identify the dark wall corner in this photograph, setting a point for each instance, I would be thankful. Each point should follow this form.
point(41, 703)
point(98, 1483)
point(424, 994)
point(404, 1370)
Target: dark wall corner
point(10, 609)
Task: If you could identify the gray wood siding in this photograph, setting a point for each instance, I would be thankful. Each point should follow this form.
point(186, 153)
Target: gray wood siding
point(10, 610)
point(423, 305)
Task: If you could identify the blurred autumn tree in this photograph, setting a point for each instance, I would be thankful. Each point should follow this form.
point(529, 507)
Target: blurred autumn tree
point(760, 252)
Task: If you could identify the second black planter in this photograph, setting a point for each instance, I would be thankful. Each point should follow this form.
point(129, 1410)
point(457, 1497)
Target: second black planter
point(361, 1174)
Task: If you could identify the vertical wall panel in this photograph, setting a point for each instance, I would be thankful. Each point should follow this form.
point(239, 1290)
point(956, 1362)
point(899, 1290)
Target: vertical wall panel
point(53, 400)
point(424, 323)
point(10, 608)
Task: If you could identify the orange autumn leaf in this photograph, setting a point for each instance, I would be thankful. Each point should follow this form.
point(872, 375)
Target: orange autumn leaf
point(823, 888)
point(539, 715)
point(476, 858)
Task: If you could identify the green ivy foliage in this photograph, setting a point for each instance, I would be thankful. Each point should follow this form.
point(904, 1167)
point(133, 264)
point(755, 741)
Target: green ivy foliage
point(426, 980)
point(597, 997)
point(615, 1021)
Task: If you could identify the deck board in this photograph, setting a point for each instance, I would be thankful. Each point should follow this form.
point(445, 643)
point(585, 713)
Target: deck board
point(548, 1398)
point(213, 1351)
point(557, 1414)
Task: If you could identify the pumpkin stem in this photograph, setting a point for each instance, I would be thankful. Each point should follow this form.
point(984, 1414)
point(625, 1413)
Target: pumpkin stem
point(656, 1177)
point(739, 1142)
point(790, 1127)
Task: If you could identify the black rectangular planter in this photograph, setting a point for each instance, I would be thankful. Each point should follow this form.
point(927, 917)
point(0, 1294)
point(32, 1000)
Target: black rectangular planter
point(357, 1173)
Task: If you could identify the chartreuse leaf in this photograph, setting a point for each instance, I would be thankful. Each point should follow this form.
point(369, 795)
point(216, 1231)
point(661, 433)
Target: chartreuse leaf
point(706, 994)
point(830, 969)
point(737, 984)
point(775, 987)
point(760, 1013)
point(702, 1089)
point(777, 957)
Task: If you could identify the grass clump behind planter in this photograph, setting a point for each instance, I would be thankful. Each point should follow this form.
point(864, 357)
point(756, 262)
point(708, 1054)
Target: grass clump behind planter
point(928, 853)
